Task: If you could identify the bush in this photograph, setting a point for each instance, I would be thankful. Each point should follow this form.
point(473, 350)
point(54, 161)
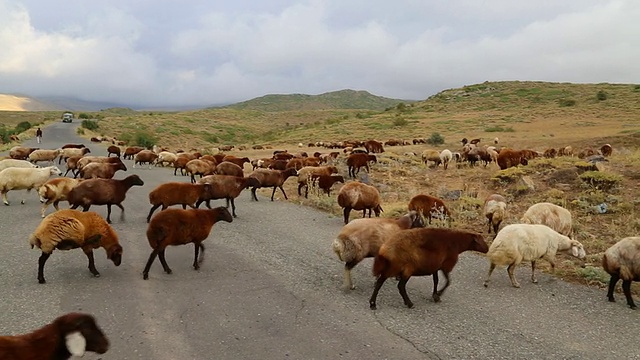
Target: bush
point(140, 138)
point(80, 131)
point(84, 116)
point(602, 96)
point(601, 180)
point(499, 128)
point(23, 126)
point(89, 124)
point(435, 139)
point(566, 102)
point(400, 122)
point(5, 134)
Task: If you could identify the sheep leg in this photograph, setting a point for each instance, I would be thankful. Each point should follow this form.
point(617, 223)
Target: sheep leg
point(55, 204)
point(163, 261)
point(533, 272)
point(489, 218)
point(300, 185)
point(41, 261)
point(346, 211)
point(626, 288)
point(253, 194)
point(372, 300)
point(92, 264)
point(491, 268)
point(446, 277)
point(121, 208)
point(612, 285)
point(512, 277)
point(4, 197)
point(348, 283)
point(44, 208)
point(435, 295)
point(402, 288)
point(152, 257)
point(197, 261)
point(153, 208)
point(233, 206)
point(283, 193)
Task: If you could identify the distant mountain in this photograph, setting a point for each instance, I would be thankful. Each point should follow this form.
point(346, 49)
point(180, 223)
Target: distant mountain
point(18, 102)
point(343, 99)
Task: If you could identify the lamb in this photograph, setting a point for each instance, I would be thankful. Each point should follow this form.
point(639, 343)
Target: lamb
point(495, 207)
point(115, 150)
point(358, 160)
point(24, 179)
point(306, 173)
point(144, 156)
point(430, 207)
point(54, 191)
point(174, 193)
point(44, 155)
point(225, 187)
point(20, 152)
point(325, 182)
point(85, 160)
point(69, 335)
point(362, 238)
point(101, 170)
point(529, 242)
point(358, 196)
point(228, 168)
point(65, 154)
point(554, 216)
point(622, 261)
point(71, 229)
point(180, 163)
point(199, 167)
point(422, 252)
point(102, 192)
point(7, 163)
point(179, 227)
point(271, 178)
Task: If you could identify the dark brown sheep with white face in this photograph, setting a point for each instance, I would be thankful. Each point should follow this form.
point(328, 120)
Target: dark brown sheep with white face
point(358, 196)
point(174, 193)
point(102, 192)
point(225, 187)
point(359, 160)
point(422, 252)
point(69, 335)
point(180, 227)
point(229, 168)
point(271, 178)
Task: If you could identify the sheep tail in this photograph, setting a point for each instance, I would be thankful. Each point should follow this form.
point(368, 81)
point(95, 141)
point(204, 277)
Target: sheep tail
point(34, 241)
point(346, 249)
point(380, 264)
point(338, 248)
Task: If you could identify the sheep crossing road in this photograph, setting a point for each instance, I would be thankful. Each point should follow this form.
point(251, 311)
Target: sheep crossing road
point(270, 288)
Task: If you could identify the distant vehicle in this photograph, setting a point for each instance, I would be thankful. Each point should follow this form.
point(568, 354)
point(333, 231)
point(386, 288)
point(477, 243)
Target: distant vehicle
point(67, 117)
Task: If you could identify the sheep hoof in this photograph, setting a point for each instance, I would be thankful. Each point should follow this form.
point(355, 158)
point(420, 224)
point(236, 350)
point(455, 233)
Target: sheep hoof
point(6, 203)
point(486, 284)
point(632, 306)
point(410, 304)
point(373, 306)
point(42, 281)
point(22, 202)
point(145, 276)
point(436, 298)
point(611, 299)
point(535, 281)
point(516, 285)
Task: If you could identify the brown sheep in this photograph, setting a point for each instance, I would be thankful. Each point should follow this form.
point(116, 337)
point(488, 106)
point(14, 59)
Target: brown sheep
point(306, 173)
point(131, 151)
point(282, 156)
point(144, 156)
point(550, 153)
point(71, 152)
point(20, 152)
point(96, 159)
point(180, 227)
point(358, 196)
point(199, 167)
point(236, 160)
point(606, 150)
point(229, 168)
point(115, 150)
point(422, 252)
point(101, 170)
point(225, 187)
point(565, 151)
point(71, 334)
point(102, 192)
point(72, 165)
point(180, 163)
point(325, 182)
point(271, 178)
point(174, 193)
point(430, 207)
point(295, 163)
point(586, 153)
point(358, 160)
point(210, 158)
point(73, 146)
point(71, 229)
point(278, 165)
point(373, 146)
point(509, 157)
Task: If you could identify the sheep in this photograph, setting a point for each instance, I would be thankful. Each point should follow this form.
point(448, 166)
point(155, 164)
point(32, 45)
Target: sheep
point(173, 193)
point(306, 173)
point(529, 242)
point(20, 152)
point(199, 167)
point(102, 192)
point(44, 155)
point(358, 196)
point(85, 160)
point(72, 165)
point(622, 261)
point(445, 157)
point(229, 168)
point(278, 165)
point(225, 187)
point(73, 146)
point(550, 153)
point(71, 229)
point(71, 334)
point(606, 150)
point(495, 207)
point(325, 182)
point(431, 155)
point(554, 216)
point(65, 154)
point(113, 149)
point(166, 157)
point(508, 158)
point(236, 160)
point(144, 156)
point(131, 151)
point(565, 151)
point(101, 170)
point(7, 163)
point(271, 178)
point(358, 160)
point(362, 238)
point(180, 163)
point(430, 207)
point(421, 252)
point(373, 146)
point(24, 179)
point(180, 227)
point(54, 191)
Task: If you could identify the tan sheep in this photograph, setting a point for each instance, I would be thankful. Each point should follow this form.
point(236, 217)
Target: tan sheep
point(622, 261)
point(554, 216)
point(431, 155)
point(44, 155)
point(306, 173)
point(358, 196)
point(495, 207)
point(54, 191)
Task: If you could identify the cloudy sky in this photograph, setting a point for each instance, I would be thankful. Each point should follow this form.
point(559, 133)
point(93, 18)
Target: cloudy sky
point(201, 52)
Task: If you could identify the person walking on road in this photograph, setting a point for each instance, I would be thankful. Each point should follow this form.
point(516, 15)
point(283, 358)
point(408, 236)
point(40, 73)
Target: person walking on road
point(39, 135)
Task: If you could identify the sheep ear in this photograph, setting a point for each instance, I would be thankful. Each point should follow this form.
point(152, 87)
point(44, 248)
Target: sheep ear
point(76, 343)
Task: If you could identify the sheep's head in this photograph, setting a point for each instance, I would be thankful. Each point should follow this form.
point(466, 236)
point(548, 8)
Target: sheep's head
point(54, 170)
point(223, 214)
point(81, 334)
point(577, 250)
point(114, 253)
point(479, 244)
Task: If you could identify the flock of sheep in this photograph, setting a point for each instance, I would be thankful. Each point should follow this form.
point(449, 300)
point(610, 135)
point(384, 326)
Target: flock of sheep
point(402, 247)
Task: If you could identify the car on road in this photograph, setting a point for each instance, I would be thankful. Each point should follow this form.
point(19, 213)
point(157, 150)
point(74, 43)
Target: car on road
point(67, 117)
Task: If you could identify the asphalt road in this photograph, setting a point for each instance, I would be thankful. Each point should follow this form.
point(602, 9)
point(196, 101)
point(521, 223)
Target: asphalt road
point(270, 288)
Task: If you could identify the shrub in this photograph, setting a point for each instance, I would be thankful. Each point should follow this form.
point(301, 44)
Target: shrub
point(5, 134)
point(499, 128)
point(566, 102)
point(80, 131)
point(435, 139)
point(400, 122)
point(23, 126)
point(84, 116)
point(89, 124)
point(141, 138)
point(602, 96)
point(601, 180)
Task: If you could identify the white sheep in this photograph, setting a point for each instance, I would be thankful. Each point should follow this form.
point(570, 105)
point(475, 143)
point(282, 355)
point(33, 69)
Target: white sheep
point(362, 238)
point(431, 155)
point(445, 157)
point(54, 191)
point(495, 208)
point(166, 157)
point(7, 163)
point(24, 178)
point(622, 261)
point(44, 155)
point(71, 152)
point(554, 216)
point(516, 243)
